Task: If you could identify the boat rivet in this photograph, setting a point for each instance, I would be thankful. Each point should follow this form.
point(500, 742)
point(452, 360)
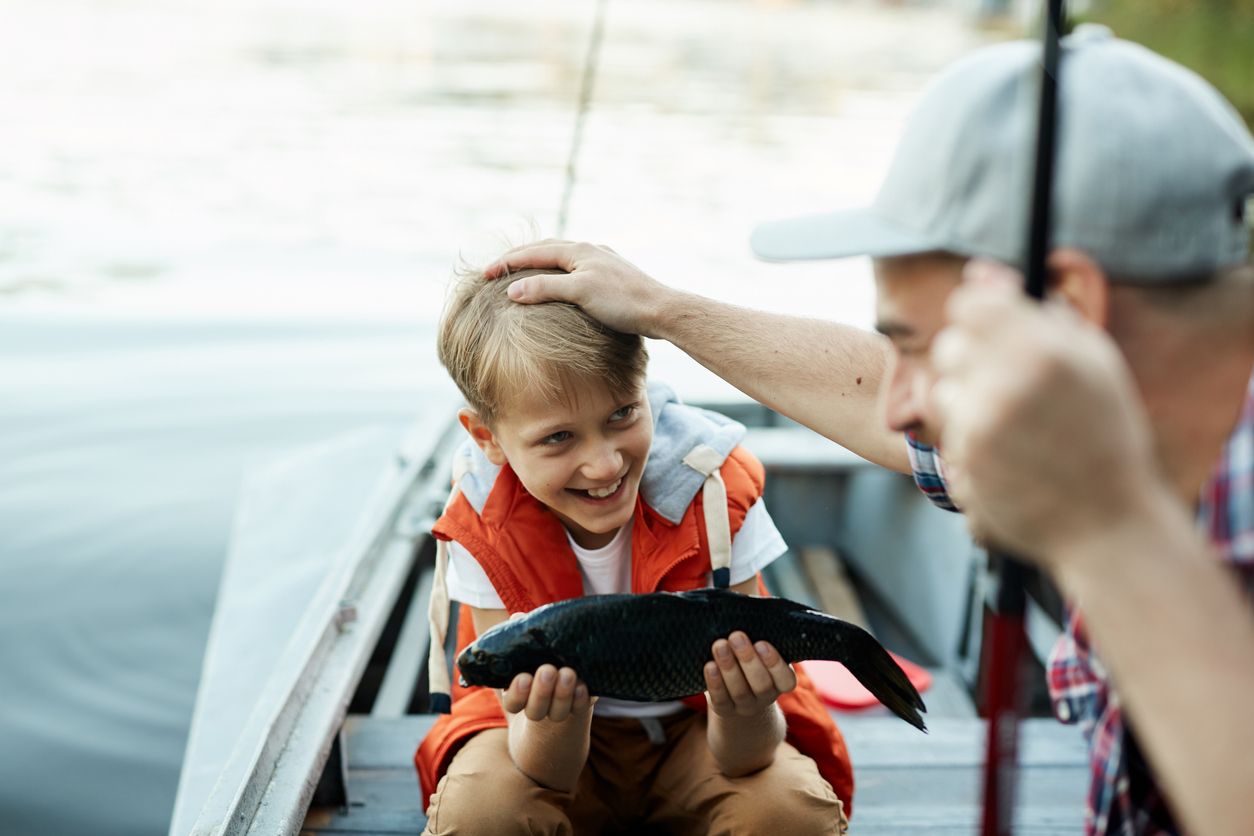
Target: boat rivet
point(345, 615)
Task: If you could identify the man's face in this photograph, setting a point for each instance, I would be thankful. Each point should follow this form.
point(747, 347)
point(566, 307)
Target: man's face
point(582, 457)
point(910, 310)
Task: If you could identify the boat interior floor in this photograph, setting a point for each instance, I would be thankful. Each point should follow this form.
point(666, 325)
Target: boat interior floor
point(865, 549)
point(907, 782)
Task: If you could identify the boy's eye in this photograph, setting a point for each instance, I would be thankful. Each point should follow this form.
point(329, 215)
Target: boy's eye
point(623, 413)
point(557, 437)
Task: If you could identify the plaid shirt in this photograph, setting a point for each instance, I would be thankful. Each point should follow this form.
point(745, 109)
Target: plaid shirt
point(1123, 797)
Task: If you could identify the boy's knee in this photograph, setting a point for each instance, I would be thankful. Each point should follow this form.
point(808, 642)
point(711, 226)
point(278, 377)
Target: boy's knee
point(790, 796)
point(814, 811)
point(495, 805)
point(483, 793)
point(804, 811)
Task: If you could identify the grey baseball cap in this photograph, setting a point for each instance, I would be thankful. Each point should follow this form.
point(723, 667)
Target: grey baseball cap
point(1151, 177)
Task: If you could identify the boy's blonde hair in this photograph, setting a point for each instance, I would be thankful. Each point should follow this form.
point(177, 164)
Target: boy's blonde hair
point(495, 349)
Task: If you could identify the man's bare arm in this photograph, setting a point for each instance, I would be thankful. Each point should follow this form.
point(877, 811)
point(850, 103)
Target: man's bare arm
point(821, 374)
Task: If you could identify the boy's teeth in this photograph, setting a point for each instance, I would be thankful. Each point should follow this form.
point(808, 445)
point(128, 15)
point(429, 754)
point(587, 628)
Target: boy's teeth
point(601, 493)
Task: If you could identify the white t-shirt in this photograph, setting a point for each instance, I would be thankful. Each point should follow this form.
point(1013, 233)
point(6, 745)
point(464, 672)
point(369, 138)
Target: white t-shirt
point(607, 571)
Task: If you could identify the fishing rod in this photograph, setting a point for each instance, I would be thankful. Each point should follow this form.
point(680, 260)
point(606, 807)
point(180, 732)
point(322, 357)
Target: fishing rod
point(1008, 636)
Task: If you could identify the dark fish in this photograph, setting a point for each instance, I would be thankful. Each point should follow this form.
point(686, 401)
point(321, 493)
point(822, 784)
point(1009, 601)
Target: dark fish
point(653, 647)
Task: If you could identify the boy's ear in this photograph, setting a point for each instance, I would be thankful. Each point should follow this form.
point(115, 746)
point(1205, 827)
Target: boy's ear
point(1078, 280)
point(482, 434)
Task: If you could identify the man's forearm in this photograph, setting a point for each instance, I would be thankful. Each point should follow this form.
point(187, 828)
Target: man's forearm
point(821, 374)
point(1178, 637)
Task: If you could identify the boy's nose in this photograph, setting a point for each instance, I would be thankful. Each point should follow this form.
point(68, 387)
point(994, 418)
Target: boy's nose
point(605, 464)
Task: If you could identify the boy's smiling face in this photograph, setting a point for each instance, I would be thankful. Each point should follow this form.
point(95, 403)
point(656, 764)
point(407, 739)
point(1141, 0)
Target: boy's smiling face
point(582, 456)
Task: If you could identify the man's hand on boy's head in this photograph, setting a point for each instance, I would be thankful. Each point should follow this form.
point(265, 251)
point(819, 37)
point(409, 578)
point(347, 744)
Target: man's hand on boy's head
point(550, 694)
point(607, 286)
point(745, 679)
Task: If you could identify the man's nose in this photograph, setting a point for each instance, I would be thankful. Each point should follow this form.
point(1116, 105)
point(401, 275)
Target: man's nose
point(904, 406)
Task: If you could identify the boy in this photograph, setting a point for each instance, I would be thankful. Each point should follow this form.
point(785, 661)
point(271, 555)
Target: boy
point(577, 480)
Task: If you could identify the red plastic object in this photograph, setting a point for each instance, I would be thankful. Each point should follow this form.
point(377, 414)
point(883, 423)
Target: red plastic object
point(839, 689)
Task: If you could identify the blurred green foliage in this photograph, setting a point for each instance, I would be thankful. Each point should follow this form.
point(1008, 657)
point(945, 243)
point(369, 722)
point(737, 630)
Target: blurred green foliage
point(1214, 38)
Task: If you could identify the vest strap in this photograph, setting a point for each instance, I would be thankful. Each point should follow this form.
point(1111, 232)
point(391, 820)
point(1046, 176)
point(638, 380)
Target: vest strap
point(439, 683)
point(707, 461)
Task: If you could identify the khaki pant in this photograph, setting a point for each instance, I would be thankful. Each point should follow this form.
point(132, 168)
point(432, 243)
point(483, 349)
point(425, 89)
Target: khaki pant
point(631, 785)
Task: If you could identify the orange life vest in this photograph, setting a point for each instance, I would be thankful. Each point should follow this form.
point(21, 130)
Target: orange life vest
point(514, 527)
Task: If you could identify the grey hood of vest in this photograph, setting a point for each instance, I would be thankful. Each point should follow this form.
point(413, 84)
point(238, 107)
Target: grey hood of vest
point(668, 485)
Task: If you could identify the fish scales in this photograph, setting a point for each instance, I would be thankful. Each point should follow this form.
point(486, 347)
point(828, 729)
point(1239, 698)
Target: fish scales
point(654, 647)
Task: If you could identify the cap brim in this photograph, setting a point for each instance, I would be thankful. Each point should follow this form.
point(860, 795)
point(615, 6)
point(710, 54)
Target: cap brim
point(835, 235)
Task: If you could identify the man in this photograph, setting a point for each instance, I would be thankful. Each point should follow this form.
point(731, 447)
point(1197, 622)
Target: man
point(1079, 433)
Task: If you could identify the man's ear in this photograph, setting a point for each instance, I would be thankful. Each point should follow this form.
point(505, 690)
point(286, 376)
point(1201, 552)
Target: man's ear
point(482, 434)
point(1078, 280)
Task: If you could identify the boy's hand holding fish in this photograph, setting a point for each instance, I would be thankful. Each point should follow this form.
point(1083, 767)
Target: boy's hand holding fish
point(549, 713)
point(742, 684)
point(745, 679)
point(551, 694)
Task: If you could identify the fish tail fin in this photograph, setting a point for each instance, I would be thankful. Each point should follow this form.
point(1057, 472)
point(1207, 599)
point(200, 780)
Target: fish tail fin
point(880, 674)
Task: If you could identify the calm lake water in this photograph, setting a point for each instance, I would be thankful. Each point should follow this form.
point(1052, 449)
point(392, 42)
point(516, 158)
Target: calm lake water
point(225, 231)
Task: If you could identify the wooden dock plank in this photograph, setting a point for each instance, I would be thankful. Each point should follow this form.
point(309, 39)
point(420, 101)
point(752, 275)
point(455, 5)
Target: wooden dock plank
point(785, 577)
point(907, 782)
point(827, 575)
point(384, 742)
point(381, 801)
point(888, 742)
